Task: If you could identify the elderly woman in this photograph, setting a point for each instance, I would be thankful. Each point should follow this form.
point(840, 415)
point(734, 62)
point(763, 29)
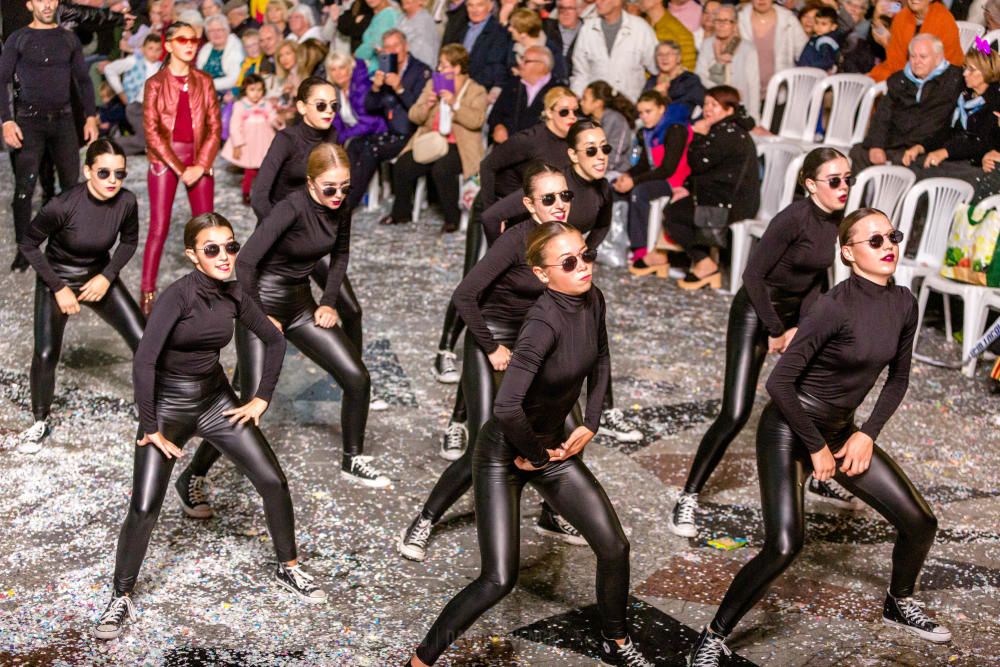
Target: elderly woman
point(385, 18)
point(726, 59)
point(673, 81)
point(923, 16)
point(776, 35)
point(222, 57)
point(350, 79)
point(194, 19)
point(455, 114)
point(302, 22)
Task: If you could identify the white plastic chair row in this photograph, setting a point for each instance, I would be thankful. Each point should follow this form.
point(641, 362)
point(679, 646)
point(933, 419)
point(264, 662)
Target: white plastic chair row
point(991, 301)
point(420, 202)
point(967, 33)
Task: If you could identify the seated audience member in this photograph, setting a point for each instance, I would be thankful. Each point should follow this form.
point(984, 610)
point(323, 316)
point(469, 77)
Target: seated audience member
point(673, 79)
point(706, 29)
point(522, 99)
point(807, 18)
point(615, 47)
point(312, 55)
point(283, 84)
point(349, 77)
point(222, 57)
point(865, 46)
point(926, 17)
point(726, 59)
point(270, 39)
point(485, 40)
point(917, 108)
point(276, 14)
point(669, 29)
point(525, 28)
point(238, 14)
point(687, 12)
point(422, 36)
point(823, 48)
point(567, 23)
point(617, 117)
point(776, 35)
point(302, 23)
point(127, 79)
point(385, 17)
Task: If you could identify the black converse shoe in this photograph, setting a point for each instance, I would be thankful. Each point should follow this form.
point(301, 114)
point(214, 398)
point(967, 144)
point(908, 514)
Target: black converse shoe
point(625, 654)
point(454, 441)
point(192, 491)
point(112, 621)
point(30, 440)
point(553, 525)
point(615, 425)
point(682, 517)
point(907, 614)
point(360, 471)
point(708, 650)
point(412, 542)
point(832, 493)
point(444, 367)
point(300, 582)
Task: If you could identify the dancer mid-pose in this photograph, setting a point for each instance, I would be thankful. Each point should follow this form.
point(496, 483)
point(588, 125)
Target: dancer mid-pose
point(782, 280)
point(181, 391)
point(860, 327)
point(562, 343)
point(77, 267)
point(274, 267)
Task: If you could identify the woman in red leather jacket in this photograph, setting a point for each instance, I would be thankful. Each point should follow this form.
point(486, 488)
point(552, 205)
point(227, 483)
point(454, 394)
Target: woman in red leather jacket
point(183, 134)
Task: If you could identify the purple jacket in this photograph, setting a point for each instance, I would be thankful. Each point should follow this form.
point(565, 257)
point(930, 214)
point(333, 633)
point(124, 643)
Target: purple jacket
point(367, 123)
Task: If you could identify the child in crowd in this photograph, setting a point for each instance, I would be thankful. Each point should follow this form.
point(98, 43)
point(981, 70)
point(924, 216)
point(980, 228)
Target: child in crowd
point(807, 17)
point(823, 48)
point(251, 130)
point(111, 113)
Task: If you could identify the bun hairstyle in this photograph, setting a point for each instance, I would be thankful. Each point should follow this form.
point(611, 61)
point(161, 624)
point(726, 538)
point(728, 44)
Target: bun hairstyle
point(325, 157)
point(847, 225)
point(306, 87)
point(535, 169)
point(202, 222)
point(815, 160)
point(540, 236)
point(578, 128)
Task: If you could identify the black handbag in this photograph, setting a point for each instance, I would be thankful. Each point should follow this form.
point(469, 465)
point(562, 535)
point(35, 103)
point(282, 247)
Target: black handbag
point(711, 226)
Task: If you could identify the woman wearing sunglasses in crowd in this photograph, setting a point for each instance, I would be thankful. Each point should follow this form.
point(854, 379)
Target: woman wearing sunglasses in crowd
point(563, 342)
point(81, 225)
point(782, 280)
point(183, 134)
point(493, 300)
point(851, 334)
point(274, 268)
point(181, 391)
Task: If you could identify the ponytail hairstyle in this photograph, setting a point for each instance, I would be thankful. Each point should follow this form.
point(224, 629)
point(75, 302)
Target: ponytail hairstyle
point(170, 33)
point(539, 238)
point(578, 128)
point(199, 223)
point(324, 157)
point(612, 99)
point(99, 147)
point(846, 226)
point(535, 169)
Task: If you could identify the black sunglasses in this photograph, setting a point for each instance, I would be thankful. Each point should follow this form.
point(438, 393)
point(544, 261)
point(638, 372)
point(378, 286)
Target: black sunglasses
point(322, 106)
point(895, 237)
point(569, 264)
point(331, 190)
point(549, 198)
point(213, 249)
point(835, 181)
point(565, 112)
point(104, 174)
point(591, 151)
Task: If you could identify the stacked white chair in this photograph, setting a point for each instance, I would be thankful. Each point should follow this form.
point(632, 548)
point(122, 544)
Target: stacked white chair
point(991, 301)
point(848, 92)
point(967, 33)
point(865, 111)
point(797, 83)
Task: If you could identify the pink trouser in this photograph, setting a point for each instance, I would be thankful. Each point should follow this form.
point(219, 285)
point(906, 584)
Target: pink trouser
point(162, 189)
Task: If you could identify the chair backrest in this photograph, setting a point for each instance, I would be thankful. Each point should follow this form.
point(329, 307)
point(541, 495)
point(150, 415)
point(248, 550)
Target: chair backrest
point(985, 204)
point(992, 38)
point(848, 92)
point(777, 156)
point(881, 187)
point(967, 33)
point(791, 181)
point(798, 83)
point(865, 111)
point(943, 195)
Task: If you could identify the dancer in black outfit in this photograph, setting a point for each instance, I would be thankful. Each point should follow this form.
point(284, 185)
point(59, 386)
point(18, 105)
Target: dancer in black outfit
point(310, 224)
point(562, 343)
point(181, 391)
point(782, 280)
point(851, 334)
point(81, 225)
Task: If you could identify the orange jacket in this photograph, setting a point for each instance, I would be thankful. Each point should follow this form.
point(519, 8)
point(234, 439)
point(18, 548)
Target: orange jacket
point(938, 22)
point(159, 113)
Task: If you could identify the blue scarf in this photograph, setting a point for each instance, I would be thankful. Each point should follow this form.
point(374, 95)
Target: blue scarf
point(919, 83)
point(676, 114)
point(966, 108)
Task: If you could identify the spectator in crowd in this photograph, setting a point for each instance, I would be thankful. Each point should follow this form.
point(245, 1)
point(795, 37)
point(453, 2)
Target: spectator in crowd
point(349, 77)
point(865, 46)
point(283, 84)
point(276, 14)
point(917, 108)
point(456, 20)
point(985, 13)
point(525, 28)
point(486, 42)
point(194, 19)
point(823, 48)
point(852, 18)
point(210, 8)
point(522, 99)
point(222, 57)
point(617, 116)
point(391, 96)
point(616, 47)
point(253, 58)
point(422, 36)
point(238, 14)
point(127, 78)
point(668, 28)
point(384, 17)
point(251, 130)
point(687, 12)
point(465, 111)
point(353, 22)
point(312, 55)
point(726, 59)
point(674, 81)
point(567, 23)
point(707, 28)
point(927, 17)
point(807, 17)
point(302, 23)
point(132, 39)
point(270, 40)
point(777, 37)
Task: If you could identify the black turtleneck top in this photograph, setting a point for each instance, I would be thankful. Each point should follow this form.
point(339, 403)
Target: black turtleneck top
point(501, 172)
point(284, 168)
point(792, 257)
point(191, 322)
point(590, 212)
point(843, 343)
point(563, 341)
point(295, 235)
point(81, 231)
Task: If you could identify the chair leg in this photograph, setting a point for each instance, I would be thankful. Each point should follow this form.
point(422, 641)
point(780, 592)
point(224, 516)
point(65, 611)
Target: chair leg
point(374, 190)
point(419, 198)
point(948, 333)
point(655, 222)
point(739, 256)
point(925, 292)
point(972, 328)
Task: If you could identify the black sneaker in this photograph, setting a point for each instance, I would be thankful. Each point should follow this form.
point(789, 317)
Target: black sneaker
point(112, 621)
point(615, 425)
point(707, 650)
point(412, 542)
point(553, 525)
point(907, 614)
point(832, 493)
point(192, 491)
point(299, 582)
point(360, 471)
point(454, 441)
point(30, 440)
point(20, 263)
point(682, 517)
point(444, 368)
point(625, 654)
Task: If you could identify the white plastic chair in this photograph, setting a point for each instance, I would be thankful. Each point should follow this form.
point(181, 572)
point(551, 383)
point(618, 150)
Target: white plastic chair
point(967, 33)
point(420, 202)
point(865, 111)
point(655, 223)
point(848, 93)
point(974, 300)
point(799, 82)
point(992, 38)
point(374, 191)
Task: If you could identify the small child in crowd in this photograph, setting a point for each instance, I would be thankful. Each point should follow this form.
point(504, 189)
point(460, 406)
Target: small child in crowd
point(823, 48)
point(251, 130)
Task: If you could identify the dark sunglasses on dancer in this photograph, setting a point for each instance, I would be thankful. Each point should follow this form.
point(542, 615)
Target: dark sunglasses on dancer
point(563, 113)
point(323, 105)
point(591, 151)
point(331, 190)
point(104, 173)
point(570, 263)
point(834, 181)
point(213, 249)
point(549, 198)
point(895, 237)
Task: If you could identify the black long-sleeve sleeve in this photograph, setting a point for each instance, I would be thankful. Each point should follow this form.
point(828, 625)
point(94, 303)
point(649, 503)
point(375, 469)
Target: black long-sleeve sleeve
point(263, 238)
point(339, 258)
point(510, 209)
point(499, 171)
point(599, 380)
point(674, 144)
point(46, 62)
point(128, 242)
point(283, 170)
point(261, 195)
point(256, 321)
point(170, 307)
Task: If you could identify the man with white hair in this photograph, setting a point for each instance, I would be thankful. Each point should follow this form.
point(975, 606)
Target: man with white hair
point(522, 99)
point(302, 23)
point(917, 108)
point(615, 47)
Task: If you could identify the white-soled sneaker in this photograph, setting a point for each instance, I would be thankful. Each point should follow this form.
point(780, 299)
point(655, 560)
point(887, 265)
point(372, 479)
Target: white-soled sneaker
point(454, 441)
point(682, 521)
point(907, 614)
point(444, 368)
point(832, 493)
point(112, 622)
point(361, 471)
point(299, 582)
point(707, 650)
point(378, 405)
point(626, 655)
point(554, 525)
point(192, 490)
point(413, 540)
point(615, 425)
point(30, 440)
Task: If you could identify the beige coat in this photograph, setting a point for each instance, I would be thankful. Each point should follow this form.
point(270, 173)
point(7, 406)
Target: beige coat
point(467, 123)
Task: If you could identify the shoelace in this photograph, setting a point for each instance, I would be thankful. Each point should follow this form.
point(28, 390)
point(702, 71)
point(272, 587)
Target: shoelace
point(630, 654)
point(421, 533)
point(454, 436)
point(303, 580)
point(615, 418)
point(117, 610)
point(708, 652)
point(34, 432)
point(196, 491)
point(448, 361)
point(360, 465)
point(913, 613)
point(565, 526)
point(686, 506)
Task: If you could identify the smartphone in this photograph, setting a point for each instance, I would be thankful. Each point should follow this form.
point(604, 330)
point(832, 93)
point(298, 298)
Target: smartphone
point(443, 82)
point(388, 63)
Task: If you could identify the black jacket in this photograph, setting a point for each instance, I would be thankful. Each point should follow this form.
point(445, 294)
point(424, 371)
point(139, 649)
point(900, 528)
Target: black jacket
point(554, 35)
point(900, 121)
point(724, 168)
point(512, 110)
point(395, 107)
point(488, 59)
point(980, 136)
point(352, 24)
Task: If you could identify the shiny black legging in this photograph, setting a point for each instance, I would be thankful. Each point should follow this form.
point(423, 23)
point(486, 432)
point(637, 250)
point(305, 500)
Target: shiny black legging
point(746, 349)
point(291, 303)
point(783, 464)
point(117, 308)
point(186, 408)
point(576, 494)
point(347, 305)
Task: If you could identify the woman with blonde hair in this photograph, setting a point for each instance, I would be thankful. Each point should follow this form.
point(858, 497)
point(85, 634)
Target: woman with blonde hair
point(349, 77)
point(276, 13)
